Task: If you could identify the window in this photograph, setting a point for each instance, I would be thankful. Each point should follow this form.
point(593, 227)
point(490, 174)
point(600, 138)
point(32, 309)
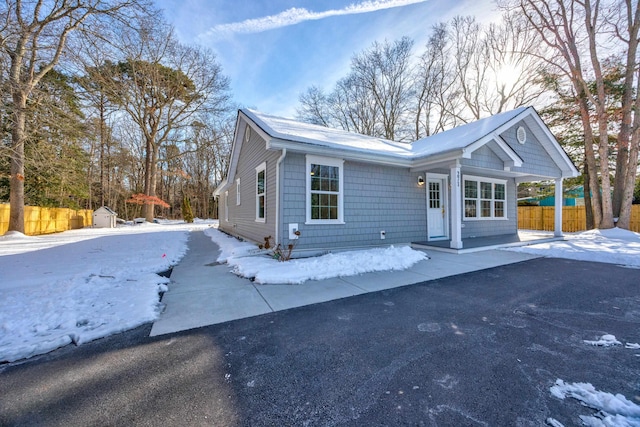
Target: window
point(238, 191)
point(261, 192)
point(324, 190)
point(484, 198)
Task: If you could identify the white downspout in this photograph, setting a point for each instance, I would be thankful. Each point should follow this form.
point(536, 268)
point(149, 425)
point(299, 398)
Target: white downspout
point(280, 159)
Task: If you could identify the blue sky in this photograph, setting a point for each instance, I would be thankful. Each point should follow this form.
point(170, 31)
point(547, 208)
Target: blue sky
point(273, 50)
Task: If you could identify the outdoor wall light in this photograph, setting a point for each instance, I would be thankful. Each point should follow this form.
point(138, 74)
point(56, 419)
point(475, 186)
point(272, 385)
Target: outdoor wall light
point(420, 181)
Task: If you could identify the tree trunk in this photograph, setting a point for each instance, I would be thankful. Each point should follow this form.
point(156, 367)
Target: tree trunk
point(590, 161)
point(149, 187)
point(624, 220)
point(16, 183)
point(588, 208)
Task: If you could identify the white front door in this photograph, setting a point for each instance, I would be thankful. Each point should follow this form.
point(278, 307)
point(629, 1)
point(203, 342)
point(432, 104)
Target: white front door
point(436, 208)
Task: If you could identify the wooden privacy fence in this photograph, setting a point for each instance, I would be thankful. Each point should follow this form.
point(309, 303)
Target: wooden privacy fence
point(39, 220)
point(573, 218)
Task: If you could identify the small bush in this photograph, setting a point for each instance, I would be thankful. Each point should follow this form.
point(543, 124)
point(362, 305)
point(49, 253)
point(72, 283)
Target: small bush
point(279, 253)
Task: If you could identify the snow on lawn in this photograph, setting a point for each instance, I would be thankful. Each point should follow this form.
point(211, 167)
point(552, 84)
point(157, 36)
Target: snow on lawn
point(614, 246)
point(264, 269)
point(81, 285)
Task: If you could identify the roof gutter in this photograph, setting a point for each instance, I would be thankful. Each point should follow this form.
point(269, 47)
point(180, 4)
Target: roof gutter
point(278, 216)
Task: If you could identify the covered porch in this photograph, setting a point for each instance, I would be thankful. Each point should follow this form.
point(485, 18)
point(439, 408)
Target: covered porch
point(476, 244)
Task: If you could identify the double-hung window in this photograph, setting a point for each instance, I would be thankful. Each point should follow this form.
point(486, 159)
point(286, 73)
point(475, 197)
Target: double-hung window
point(485, 198)
point(261, 179)
point(324, 190)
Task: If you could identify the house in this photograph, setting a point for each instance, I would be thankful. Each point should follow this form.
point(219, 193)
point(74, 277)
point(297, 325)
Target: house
point(344, 190)
point(104, 217)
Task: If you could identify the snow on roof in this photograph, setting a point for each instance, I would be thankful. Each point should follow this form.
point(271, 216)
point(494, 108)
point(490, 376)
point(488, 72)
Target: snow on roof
point(462, 136)
point(292, 130)
point(454, 139)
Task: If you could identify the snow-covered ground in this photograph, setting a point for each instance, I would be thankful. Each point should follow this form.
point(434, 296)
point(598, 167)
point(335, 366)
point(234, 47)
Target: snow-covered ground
point(613, 246)
point(83, 284)
point(80, 285)
point(265, 269)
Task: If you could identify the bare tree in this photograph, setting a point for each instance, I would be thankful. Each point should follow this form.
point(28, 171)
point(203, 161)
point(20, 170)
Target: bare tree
point(162, 88)
point(372, 99)
point(383, 71)
point(583, 36)
point(435, 97)
point(33, 36)
point(465, 72)
point(494, 70)
point(314, 107)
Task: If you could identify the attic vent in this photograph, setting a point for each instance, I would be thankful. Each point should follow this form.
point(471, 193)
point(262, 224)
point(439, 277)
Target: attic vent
point(247, 133)
point(521, 134)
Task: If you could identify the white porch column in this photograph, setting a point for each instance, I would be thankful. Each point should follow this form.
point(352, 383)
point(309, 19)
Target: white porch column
point(456, 206)
point(557, 232)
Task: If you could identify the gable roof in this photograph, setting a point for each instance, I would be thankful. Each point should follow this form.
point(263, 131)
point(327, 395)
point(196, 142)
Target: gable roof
point(464, 136)
point(460, 142)
point(289, 130)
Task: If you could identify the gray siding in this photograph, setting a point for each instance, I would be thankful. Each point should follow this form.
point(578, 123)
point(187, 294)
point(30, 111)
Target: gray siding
point(242, 218)
point(536, 160)
point(375, 198)
point(484, 157)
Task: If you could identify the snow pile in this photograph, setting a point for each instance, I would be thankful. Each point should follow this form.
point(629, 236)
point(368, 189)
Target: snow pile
point(230, 247)
point(604, 341)
point(81, 285)
point(614, 410)
point(632, 346)
point(614, 246)
point(266, 270)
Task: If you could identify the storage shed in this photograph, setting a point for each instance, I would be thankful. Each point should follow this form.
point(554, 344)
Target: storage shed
point(104, 217)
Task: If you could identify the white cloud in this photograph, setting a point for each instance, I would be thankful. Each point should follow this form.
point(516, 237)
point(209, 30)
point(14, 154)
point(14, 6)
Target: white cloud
point(297, 15)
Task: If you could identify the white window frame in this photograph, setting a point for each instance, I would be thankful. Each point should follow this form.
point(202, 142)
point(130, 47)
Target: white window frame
point(324, 161)
point(238, 192)
point(261, 168)
point(226, 206)
point(479, 199)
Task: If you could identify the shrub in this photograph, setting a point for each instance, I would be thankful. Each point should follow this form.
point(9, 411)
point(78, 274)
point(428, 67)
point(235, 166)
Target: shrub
point(279, 252)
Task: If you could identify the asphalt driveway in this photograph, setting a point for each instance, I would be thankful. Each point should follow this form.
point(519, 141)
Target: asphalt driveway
point(481, 348)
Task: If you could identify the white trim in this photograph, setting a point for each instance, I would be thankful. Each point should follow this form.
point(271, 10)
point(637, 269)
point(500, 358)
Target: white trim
point(262, 167)
point(516, 160)
point(559, 202)
point(456, 208)
point(238, 192)
point(521, 135)
point(325, 161)
point(444, 180)
point(479, 180)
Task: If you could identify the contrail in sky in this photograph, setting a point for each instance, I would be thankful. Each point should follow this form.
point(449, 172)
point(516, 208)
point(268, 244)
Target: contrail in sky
point(297, 15)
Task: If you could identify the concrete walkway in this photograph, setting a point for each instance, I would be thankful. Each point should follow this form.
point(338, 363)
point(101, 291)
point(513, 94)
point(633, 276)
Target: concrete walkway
point(203, 292)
